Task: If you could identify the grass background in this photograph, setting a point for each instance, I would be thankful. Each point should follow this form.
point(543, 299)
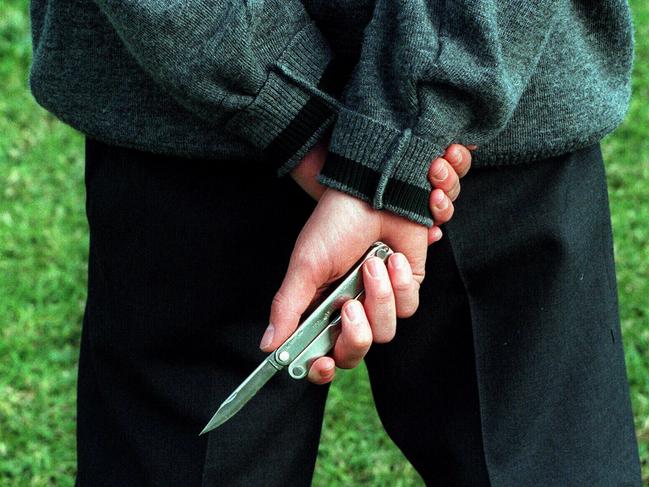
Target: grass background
point(43, 252)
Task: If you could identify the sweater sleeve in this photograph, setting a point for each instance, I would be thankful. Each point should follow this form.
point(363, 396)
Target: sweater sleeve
point(430, 73)
point(260, 68)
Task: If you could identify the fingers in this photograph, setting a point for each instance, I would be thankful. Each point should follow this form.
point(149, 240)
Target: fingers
point(355, 337)
point(351, 346)
point(434, 234)
point(379, 300)
point(441, 207)
point(414, 248)
point(459, 157)
point(404, 286)
point(443, 176)
point(322, 370)
point(389, 292)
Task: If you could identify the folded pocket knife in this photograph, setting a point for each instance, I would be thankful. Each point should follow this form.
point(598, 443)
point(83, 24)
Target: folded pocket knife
point(313, 338)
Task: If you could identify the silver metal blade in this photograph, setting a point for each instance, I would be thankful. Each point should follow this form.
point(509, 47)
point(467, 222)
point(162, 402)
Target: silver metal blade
point(243, 393)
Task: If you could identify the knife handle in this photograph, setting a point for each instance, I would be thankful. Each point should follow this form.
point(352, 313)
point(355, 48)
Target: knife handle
point(317, 334)
point(319, 347)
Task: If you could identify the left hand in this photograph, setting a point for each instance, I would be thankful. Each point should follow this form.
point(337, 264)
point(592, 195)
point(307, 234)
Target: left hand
point(444, 174)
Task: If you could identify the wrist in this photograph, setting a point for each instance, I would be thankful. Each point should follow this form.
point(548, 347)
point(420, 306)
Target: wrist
point(306, 172)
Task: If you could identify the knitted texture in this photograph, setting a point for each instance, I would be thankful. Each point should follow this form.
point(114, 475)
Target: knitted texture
point(396, 82)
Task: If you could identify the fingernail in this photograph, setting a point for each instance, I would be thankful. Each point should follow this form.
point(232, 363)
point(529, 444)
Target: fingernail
point(327, 371)
point(267, 339)
point(398, 261)
point(457, 154)
point(373, 267)
point(351, 311)
point(442, 205)
point(438, 197)
point(437, 234)
point(441, 172)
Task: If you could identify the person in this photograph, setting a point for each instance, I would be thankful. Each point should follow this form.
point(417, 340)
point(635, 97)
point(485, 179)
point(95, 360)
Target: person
point(508, 371)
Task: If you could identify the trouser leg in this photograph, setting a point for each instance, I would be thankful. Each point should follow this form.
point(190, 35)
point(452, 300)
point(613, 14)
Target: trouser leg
point(185, 256)
point(532, 244)
point(424, 382)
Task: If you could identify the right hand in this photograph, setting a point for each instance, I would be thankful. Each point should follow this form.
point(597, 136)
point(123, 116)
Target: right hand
point(336, 235)
point(395, 292)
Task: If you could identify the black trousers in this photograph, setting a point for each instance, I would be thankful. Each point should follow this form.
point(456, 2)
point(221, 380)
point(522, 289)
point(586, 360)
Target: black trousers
point(511, 373)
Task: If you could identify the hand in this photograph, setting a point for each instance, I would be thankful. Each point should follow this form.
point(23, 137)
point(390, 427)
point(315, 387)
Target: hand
point(444, 174)
point(394, 293)
point(328, 245)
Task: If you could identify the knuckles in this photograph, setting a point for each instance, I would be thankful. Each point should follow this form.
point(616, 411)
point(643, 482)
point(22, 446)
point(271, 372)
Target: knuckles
point(280, 305)
point(407, 311)
point(454, 192)
point(303, 260)
point(385, 337)
point(401, 286)
point(419, 278)
point(358, 344)
point(278, 301)
point(443, 216)
point(351, 355)
point(381, 297)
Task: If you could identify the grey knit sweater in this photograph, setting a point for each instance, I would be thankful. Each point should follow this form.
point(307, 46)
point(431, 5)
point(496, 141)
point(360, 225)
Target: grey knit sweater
point(395, 82)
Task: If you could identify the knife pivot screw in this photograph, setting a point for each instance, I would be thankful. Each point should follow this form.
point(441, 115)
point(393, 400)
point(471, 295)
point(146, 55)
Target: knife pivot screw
point(283, 357)
point(382, 252)
point(298, 371)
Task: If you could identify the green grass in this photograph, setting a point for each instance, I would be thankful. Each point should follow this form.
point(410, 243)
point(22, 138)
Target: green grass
point(43, 252)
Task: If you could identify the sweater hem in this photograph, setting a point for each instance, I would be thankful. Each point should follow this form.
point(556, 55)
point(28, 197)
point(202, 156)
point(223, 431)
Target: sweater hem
point(333, 183)
point(513, 158)
point(176, 148)
point(283, 116)
point(388, 165)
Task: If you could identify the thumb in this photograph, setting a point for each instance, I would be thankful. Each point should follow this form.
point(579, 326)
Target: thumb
point(289, 303)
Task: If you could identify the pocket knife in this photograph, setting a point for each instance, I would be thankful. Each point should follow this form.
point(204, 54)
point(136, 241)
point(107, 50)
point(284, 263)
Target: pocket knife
point(313, 338)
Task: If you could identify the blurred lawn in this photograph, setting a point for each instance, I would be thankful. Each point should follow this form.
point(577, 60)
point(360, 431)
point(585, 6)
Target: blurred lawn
point(43, 240)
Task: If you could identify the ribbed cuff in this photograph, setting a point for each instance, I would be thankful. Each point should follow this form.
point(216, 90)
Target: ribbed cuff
point(382, 165)
point(285, 119)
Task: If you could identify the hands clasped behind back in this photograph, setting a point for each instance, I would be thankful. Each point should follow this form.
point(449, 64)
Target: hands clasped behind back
point(337, 233)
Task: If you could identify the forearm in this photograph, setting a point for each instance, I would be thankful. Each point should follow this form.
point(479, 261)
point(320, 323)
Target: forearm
point(424, 82)
point(259, 69)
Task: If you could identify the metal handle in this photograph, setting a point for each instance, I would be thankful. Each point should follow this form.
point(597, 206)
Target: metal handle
point(319, 347)
point(319, 331)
